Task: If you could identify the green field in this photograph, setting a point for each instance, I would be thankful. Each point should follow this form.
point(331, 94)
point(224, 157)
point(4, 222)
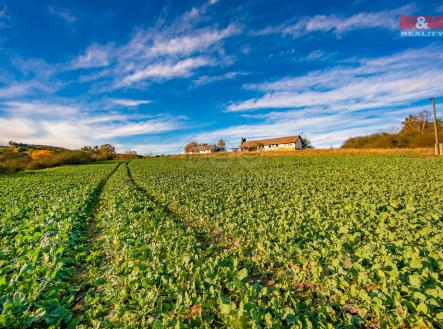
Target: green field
point(302, 242)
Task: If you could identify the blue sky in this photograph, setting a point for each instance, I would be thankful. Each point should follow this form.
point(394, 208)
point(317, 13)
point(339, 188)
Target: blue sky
point(153, 75)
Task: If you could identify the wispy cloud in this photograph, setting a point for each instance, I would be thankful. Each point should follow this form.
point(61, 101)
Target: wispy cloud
point(131, 102)
point(161, 53)
point(31, 77)
point(157, 148)
point(386, 19)
point(181, 69)
point(188, 44)
point(3, 17)
point(370, 83)
point(94, 56)
point(205, 79)
point(22, 88)
point(68, 125)
point(324, 128)
point(154, 126)
point(318, 55)
point(64, 14)
point(13, 90)
point(18, 108)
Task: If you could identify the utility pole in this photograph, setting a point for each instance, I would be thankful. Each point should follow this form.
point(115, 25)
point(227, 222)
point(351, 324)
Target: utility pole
point(437, 145)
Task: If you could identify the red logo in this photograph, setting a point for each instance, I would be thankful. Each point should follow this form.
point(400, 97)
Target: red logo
point(421, 23)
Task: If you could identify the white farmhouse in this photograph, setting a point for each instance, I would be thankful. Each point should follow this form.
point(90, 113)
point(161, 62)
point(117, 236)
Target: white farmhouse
point(201, 149)
point(273, 144)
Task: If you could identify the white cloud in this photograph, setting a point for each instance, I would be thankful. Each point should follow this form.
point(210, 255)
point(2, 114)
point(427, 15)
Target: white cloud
point(3, 17)
point(166, 51)
point(386, 19)
point(37, 108)
point(188, 44)
point(183, 68)
point(318, 55)
point(66, 125)
point(154, 148)
point(13, 90)
point(57, 133)
point(65, 14)
point(16, 89)
point(31, 77)
point(324, 128)
point(94, 56)
point(139, 128)
point(131, 102)
point(205, 79)
point(370, 83)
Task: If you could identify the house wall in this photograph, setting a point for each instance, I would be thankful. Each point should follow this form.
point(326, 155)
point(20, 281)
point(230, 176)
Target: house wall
point(298, 144)
point(289, 146)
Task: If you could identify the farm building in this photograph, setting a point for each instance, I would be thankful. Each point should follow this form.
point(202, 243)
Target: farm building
point(273, 144)
point(201, 149)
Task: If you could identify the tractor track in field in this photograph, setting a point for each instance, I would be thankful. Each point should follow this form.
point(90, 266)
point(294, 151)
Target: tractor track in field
point(90, 237)
point(204, 238)
point(211, 242)
point(209, 237)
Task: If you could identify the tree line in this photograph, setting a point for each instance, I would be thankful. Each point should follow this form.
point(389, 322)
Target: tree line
point(22, 156)
point(417, 131)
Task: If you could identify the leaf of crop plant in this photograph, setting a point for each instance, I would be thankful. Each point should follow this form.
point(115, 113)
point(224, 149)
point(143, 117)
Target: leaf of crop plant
point(242, 274)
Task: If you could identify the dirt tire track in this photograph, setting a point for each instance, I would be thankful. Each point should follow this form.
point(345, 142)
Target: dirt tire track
point(219, 240)
point(89, 229)
point(207, 238)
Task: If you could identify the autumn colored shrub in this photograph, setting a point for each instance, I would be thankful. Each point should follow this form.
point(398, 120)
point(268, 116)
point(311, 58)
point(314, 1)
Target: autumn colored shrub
point(41, 154)
point(417, 132)
point(12, 161)
point(40, 159)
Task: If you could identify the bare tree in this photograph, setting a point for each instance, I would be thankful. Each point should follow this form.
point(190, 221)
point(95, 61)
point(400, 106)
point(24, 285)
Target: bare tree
point(417, 122)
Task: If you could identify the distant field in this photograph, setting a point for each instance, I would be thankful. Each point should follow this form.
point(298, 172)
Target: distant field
point(420, 152)
point(238, 242)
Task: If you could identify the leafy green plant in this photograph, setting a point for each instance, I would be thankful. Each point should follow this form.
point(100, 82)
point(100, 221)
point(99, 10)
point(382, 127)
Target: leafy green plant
point(285, 242)
point(43, 218)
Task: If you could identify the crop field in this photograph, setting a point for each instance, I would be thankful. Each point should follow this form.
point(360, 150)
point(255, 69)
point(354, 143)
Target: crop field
point(275, 242)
